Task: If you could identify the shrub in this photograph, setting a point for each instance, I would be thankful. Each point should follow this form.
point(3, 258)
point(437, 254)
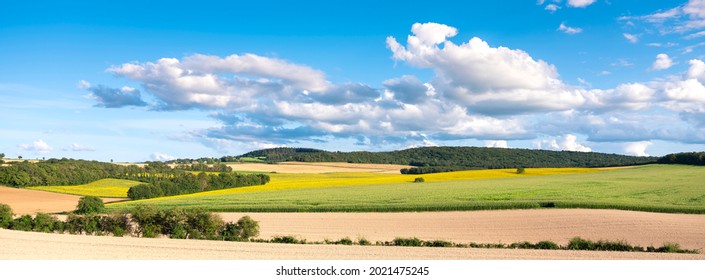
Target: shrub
point(23, 223)
point(521, 170)
point(287, 239)
point(547, 245)
point(203, 225)
point(74, 224)
point(364, 242)
point(146, 219)
point(144, 191)
point(438, 243)
point(578, 243)
point(117, 223)
point(413, 242)
point(44, 222)
point(91, 224)
point(90, 205)
point(5, 216)
point(244, 229)
point(419, 180)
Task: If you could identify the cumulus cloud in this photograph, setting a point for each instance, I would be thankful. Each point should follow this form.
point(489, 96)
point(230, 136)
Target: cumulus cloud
point(496, 144)
point(566, 142)
point(113, 97)
point(662, 62)
point(38, 147)
point(161, 157)
point(478, 91)
point(580, 3)
point(637, 148)
point(487, 80)
point(569, 30)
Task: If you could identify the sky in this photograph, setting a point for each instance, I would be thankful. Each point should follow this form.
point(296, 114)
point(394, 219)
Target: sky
point(133, 81)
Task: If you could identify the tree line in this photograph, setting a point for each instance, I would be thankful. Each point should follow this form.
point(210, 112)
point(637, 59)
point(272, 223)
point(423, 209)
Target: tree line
point(170, 181)
point(457, 158)
point(691, 158)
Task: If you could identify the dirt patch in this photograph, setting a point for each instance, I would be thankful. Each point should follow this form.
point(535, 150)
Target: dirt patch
point(32, 246)
point(318, 167)
point(502, 226)
point(24, 201)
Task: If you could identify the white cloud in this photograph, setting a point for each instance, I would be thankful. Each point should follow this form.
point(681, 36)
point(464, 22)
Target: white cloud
point(696, 35)
point(566, 142)
point(496, 144)
point(82, 84)
point(580, 3)
point(552, 8)
point(681, 19)
point(38, 147)
point(485, 79)
point(662, 62)
point(604, 73)
point(637, 148)
point(631, 38)
point(569, 30)
point(79, 148)
point(161, 157)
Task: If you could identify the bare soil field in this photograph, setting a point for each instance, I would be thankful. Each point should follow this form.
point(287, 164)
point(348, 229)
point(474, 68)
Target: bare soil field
point(500, 226)
point(34, 246)
point(23, 201)
point(318, 167)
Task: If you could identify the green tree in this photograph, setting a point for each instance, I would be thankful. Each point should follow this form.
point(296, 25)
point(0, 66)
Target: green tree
point(5, 215)
point(90, 205)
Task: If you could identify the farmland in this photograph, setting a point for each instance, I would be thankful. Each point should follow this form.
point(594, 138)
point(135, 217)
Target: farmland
point(102, 188)
point(655, 188)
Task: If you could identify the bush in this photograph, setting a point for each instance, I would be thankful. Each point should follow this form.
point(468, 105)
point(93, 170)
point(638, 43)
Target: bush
point(90, 205)
point(578, 243)
point(438, 243)
point(146, 219)
point(23, 223)
point(144, 191)
point(547, 245)
point(364, 242)
point(44, 223)
point(412, 242)
point(5, 216)
point(118, 224)
point(203, 225)
point(419, 180)
point(521, 170)
point(74, 224)
point(287, 239)
point(244, 229)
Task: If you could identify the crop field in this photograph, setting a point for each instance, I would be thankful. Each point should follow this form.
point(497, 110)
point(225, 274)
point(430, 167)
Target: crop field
point(102, 188)
point(655, 188)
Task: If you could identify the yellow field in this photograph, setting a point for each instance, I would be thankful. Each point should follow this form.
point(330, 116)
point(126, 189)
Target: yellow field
point(100, 188)
point(288, 181)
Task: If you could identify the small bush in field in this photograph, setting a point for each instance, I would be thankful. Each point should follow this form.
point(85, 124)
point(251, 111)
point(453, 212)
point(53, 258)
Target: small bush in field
point(90, 205)
point(23, 223)
point(419, 180)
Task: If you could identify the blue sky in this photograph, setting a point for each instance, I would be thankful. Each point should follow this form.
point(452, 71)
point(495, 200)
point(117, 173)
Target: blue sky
point(154, 80)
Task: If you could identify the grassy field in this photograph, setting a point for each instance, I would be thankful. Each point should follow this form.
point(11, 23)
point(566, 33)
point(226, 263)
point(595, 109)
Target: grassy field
point(657, 188)
point(102, 188)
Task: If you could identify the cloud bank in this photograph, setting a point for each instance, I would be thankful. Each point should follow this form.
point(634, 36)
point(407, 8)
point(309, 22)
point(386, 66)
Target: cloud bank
point(478, 91)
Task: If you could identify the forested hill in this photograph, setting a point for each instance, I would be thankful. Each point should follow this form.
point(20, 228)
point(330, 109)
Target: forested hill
point(466, 157)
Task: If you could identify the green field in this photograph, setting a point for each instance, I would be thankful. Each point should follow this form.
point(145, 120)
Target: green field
point(102, 188)
point(657, 188)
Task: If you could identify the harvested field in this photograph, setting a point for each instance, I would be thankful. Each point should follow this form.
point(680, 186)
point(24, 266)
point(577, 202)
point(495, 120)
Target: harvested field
point(318, 167)
point(24, 201)
point(34, 246)
point(502, 226)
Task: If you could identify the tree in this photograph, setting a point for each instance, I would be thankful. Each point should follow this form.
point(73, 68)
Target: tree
point(520, 170)
point(5, 215)
point(90, 205)
point(243, 230)
point(2, 155)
